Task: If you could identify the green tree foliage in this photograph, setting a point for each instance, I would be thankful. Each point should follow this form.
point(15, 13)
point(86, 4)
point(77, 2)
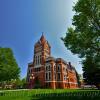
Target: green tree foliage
point(84, 38)
point(20, 83)
point(8, 66)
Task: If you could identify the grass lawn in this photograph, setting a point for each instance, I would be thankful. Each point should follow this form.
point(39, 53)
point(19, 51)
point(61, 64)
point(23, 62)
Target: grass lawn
point(50, 94)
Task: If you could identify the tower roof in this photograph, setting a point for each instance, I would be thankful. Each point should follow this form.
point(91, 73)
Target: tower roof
point(42, 39)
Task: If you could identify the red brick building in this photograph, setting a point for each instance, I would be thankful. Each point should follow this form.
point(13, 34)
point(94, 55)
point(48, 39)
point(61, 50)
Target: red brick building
point(49, 71)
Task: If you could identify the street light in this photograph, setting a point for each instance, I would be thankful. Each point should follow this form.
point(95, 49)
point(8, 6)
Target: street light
point(31, 79)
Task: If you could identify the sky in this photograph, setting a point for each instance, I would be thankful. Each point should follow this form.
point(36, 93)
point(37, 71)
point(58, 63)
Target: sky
point(23, 21)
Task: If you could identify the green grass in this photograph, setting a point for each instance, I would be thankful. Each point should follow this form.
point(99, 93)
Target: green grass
point(50, 94)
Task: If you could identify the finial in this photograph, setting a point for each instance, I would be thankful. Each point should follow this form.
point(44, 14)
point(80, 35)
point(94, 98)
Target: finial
point(42, 37)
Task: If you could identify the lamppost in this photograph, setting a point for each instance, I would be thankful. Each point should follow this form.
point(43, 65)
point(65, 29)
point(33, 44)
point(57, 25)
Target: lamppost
point(31, 80)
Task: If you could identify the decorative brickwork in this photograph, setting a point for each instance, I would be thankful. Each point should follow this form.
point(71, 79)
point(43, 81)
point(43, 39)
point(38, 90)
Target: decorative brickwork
point(48, 72)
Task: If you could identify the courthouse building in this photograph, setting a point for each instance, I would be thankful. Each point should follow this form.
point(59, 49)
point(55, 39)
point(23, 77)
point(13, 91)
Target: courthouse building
point(46, 71)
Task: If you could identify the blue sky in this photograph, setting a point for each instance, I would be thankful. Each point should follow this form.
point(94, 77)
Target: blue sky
point(23, 21)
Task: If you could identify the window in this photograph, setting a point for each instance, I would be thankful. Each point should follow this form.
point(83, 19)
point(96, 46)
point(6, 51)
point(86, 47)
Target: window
point(49, 76)
point(54, 68)
point(46, 76)
point(54, 76)
point(58, 67)
point(40, 59)
point(37, 69)
point(65, 77)
point(30, 70)
point(46, 68)
point(49, 68)
point(36, 60)
point(58, 76)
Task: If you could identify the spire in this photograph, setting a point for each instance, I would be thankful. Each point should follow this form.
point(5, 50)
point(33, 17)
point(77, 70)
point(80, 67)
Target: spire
point(42, 39)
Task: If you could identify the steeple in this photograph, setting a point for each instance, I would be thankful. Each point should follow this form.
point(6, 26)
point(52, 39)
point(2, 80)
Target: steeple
point(42, 39)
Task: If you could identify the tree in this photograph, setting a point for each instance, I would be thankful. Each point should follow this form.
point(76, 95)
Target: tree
point(84, 38)
point(24, 84)
point(78, 79)
point(8, 66)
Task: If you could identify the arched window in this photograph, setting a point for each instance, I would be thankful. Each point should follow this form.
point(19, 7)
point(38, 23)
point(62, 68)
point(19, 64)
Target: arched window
point(58, 67)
